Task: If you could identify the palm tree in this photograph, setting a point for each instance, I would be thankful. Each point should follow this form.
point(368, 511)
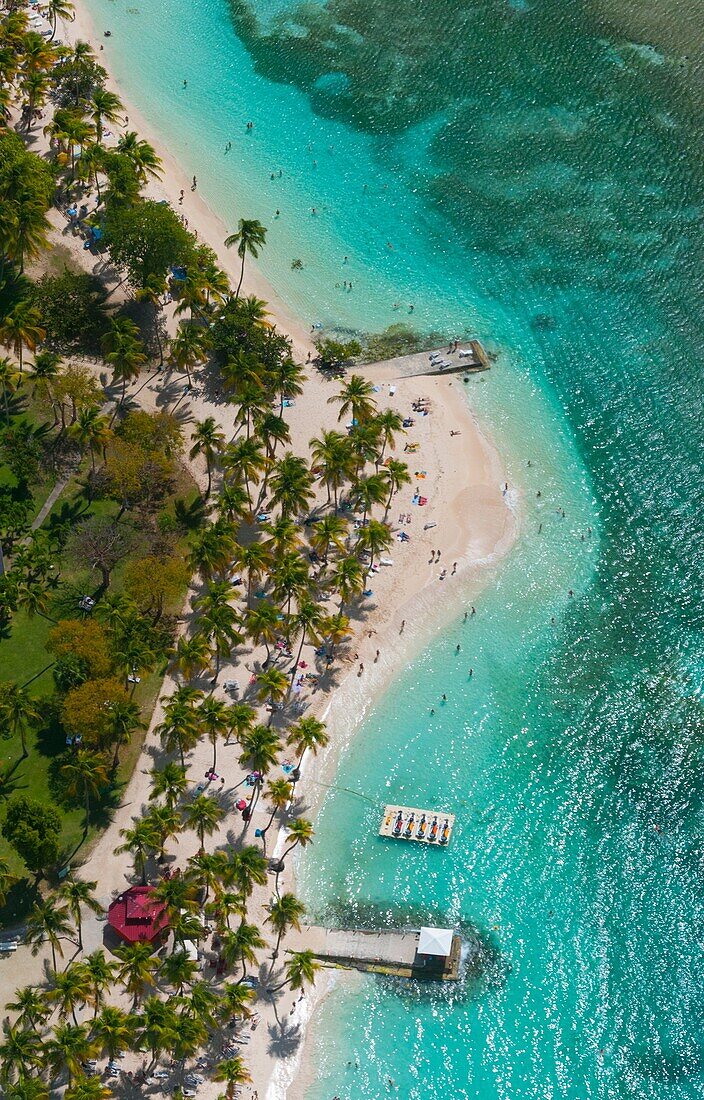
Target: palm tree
point(86, 774)
point(285, 912)
point(251, 405)
point(249, 238)
point(191, 656)
point(284, 535)
point(213, 549)
point(397, 475)
point(30, 1007)
point(213, 715)
point(330, 530)
point(92, 161)
point(389, 422)
point(260, 750)
point(138, 968)
point(367, 492)
point(234, 502)
point(290, 578)
point(104, 106)
point(88, 1088)
point(256, 559)
point(288, 379)
point(203, 815)
point(45, 370)
point(220, 626)
point(144, 160)
point(18, 712)
point(374, 539)
point(233, 1071)
point(140, 841)
point(279, 793)
point(209, 441)
point(123, 349)
point(21, 328)
point(67, 1050)
point(308, 735)
point(334, 629)
point(248, 868)
point(348, 579)
point(123, 718)
point(179, 730)
point(92, 430)
point(365, 441)
point(57, 9)
point(70, 990)
point(178, 970)
point(158, 1028)
point(235, 1001)
point(240, 719)
point(241, 946)
point(101, 975)
point(307, 621)
point(169, 780)
point(189, 348)
point(300, 832)
point(272, 684)
point(165, 823)
point(113, 1029)
point(262, 625)
point(21, 1052)
point(301, 968)
point(291, 485)
point(76, 892)
point(27, 1088)
point(48, 923)
point(246, 459)
point(10, 381)
point(275, 432)
point(332, 461)
point(355, 398)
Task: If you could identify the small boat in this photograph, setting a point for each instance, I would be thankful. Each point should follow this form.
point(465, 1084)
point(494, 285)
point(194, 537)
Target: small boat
point(422, 826)
point(398, 824)
point(410, 826)
point(434, 829)
point(445, 835)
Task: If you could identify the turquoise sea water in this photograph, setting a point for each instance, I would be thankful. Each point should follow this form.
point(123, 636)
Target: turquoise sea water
point(537, 168)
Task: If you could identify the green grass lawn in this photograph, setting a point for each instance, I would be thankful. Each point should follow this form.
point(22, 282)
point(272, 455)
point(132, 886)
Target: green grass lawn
point(24, 659)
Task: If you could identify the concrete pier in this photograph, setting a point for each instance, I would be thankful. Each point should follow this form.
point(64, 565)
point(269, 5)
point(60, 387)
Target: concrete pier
point(375, 952)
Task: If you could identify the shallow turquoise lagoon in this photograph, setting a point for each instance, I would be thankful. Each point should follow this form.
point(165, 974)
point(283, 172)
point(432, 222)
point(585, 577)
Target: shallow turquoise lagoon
point(532, 172)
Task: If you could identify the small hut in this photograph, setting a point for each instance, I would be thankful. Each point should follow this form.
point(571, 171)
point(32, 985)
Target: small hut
point(438, 952)
point(137, 915)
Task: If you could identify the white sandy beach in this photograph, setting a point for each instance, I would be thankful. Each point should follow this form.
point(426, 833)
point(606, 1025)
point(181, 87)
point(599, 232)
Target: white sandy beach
point(474, 523)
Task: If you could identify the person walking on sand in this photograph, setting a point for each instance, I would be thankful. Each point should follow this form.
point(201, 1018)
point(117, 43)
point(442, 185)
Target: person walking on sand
point(403, 626)
point(454, 568)
point(194, 184)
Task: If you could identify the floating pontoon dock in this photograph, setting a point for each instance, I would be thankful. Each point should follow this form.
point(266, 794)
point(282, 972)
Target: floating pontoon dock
point(411, 823)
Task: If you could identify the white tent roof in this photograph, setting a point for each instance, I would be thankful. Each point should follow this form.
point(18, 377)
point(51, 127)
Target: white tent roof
point(435, 941)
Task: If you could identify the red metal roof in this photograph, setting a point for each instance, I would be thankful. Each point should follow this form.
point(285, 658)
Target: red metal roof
point(137, 915)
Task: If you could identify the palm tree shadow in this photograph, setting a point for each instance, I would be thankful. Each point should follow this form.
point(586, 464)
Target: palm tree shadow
point(284, 1040)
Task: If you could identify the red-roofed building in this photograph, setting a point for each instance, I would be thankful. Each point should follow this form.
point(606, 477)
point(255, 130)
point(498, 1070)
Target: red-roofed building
point(137, 915)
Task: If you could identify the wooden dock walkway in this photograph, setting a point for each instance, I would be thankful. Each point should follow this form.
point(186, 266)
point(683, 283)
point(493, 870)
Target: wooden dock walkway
point(394, 953)
point(411, 823)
